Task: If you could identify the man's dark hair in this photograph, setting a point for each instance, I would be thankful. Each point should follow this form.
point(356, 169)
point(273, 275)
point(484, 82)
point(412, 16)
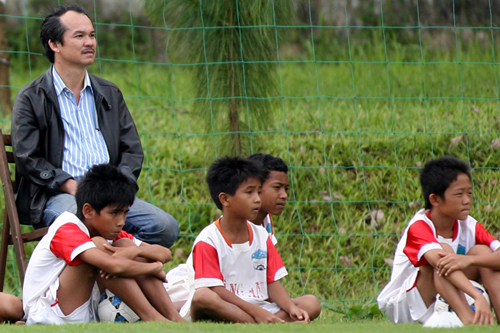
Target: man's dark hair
point(269, 162)
point(438, 174)
point(104, 185)
point(53, 30)
point(228, 173)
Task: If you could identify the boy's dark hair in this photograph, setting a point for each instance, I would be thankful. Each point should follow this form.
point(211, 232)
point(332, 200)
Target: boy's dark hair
point(104, 185)
point(269, 162)
point(228, 173)
point(438, 174)
point(52, 29)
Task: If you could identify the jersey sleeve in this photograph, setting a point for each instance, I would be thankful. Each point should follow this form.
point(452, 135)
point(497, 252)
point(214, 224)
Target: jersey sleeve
point(275, 267)
point(124, 234)
point(206, 266)
point(420, 239)
point(68, 242)
point(484, 237)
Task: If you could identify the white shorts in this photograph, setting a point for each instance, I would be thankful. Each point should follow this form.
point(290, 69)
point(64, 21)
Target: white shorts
point(406, 304)
point(177, 285)
point(46, 309)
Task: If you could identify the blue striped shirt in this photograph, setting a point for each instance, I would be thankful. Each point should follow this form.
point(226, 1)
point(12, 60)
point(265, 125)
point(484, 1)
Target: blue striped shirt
point(84, 145)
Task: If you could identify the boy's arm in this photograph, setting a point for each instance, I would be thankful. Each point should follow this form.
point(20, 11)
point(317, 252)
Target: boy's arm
point(145, 250)
point(278, 294)
point(155, 252)
point(459, 280)
point(451, 262)
point(119, 266)
point(258, 314)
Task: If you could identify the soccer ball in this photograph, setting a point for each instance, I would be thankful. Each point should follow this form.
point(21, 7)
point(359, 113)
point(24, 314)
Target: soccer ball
point(469, 299)
point(444, 316)
point(111, 309)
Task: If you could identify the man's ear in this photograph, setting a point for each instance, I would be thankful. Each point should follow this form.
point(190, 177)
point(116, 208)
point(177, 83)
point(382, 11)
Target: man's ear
point(88, 211)
point(435, 199)
point(223, 198)
point(53, 46)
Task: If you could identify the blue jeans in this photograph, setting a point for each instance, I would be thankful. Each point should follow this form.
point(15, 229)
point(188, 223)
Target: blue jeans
point(144, 220)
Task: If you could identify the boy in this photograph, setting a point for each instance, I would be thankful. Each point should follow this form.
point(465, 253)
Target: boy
point(273, 199)
point(444, 226)
point(274, 191)
point(234, 264)
point(60, 285)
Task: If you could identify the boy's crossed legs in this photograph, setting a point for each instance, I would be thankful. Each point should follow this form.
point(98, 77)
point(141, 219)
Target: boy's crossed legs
point(144, 294)
point(429, 283)
point(208, 305)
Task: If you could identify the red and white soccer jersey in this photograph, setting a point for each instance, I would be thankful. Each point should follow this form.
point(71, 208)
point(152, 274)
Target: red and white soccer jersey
point(268, 225)
point(244, 269)
point(66, 238)
point(420, 237)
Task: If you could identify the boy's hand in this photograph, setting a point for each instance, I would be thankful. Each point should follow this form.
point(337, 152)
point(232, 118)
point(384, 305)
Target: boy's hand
point(129, 252)
point(161, 274)
point(266, 317)
point(483, 315)
point(105, 275)
point(451, 262)
point(299, 314)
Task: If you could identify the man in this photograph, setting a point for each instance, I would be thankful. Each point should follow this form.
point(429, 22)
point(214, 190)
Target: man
point(68, 120)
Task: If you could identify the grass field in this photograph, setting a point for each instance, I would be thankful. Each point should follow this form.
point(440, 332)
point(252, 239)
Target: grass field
point(357, 327)
point(354, 125)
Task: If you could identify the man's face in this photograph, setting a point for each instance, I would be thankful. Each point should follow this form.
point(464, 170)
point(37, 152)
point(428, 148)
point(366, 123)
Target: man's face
point(79, 43)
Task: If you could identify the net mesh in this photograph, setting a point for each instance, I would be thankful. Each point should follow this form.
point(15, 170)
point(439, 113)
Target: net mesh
point(360, 108)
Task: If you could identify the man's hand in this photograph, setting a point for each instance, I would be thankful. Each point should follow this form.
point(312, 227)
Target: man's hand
point(69, 186)
point(451, 262)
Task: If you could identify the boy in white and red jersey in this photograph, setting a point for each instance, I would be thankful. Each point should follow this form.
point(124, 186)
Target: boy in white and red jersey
point(274, 191)
point(273, 199)
point(82, 254)
point(234, 264)
point(443, 227)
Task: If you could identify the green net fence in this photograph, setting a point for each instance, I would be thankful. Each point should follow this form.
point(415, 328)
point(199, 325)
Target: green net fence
point(364, 96)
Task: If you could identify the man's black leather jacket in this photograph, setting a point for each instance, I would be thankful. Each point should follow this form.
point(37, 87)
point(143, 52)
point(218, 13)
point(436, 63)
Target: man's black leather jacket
point(38, 141)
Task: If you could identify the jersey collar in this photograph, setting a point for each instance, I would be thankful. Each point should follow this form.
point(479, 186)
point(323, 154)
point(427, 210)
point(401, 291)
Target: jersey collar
point(250, 233)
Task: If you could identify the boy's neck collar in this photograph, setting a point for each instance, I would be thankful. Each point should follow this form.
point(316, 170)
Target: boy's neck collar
point(443, 227)
point(225, 234)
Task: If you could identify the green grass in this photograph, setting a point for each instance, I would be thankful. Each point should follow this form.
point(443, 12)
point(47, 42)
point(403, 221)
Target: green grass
point(357, 327)
point(354, 135)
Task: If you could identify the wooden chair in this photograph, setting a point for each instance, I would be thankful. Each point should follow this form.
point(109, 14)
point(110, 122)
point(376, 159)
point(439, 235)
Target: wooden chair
point(11, 233)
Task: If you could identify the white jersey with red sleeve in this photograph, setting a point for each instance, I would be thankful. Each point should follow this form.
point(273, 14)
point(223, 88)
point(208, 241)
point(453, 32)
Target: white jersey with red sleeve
point(268, 225)
point(420, 237)
point(244, 269)
point(66, 238)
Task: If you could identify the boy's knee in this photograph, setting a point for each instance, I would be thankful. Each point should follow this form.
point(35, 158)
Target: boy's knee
point(11, 308)
point(124, 242)
point(479, 249)
point(204, 298)
point(99, 242)
point(447, 248)
point(313, 306)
